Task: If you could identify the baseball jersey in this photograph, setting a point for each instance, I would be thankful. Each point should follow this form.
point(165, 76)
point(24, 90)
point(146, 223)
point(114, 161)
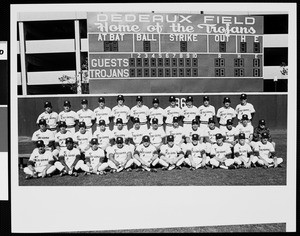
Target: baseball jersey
point(146, 153)
point(69, 155)
point(51, 119)
point(171, 112)
point(141, 112)
point(196, 150)
point(82, 139)
point(94, 155)
point(102, 114)
point(211, 133)
point(242, 150)
point(124, 133)
point(40, 159)
point(264, 149)
point(103, 137)
point(86, 116)
point(60, 138)
point(137, 135)
point(69, 117)
point(121, 112)
point(120, 154)
point(220, 151)
point(190, 113)
point(47, 136)
point(158, 113)
point(156, 136)
point(178, 133)
point(225, 114)
point(244, 109)
point(206, 112)
point(170, 152)
point(230, 134)
point(247, 130)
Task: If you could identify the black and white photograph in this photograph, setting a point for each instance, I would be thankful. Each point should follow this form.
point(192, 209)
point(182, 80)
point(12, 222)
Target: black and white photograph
point(159, 118)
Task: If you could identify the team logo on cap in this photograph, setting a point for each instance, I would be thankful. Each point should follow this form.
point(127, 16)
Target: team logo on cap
point(194, 122)
point(226, 99)
point(120, 97)
point(119, 140)
point(67, 103)
point(101, 122)
point(146, 138)
point(211, 120)
point(81, 124)
point(139, 98)
point(154, 121)
point(47, 104)
point(243, 96)
point(84, 101)
point(119, 121)
point(136, 120)
point(262, 122)
point(175, 119)
point(69, 140)
point(245, 117)
point(101, 99)
point(189, 99)
point(42, 122)
point(229, 122)
point(40, 143)
point(155, 100)
point(219, 136)
point(62, 123)
point(94, 141)
point(195, 137)
point(170, 138)
point(265, 135)
point(172, 99)
point(242, 136)
point(205, 98)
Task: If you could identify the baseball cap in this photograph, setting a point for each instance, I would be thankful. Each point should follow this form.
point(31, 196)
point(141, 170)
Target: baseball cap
point(119, 121)
point(84, 101)
point(154, 121)
point(101, 99)
point(69, 140)
point(146, 138)
point(155, 100)
point(40, 143)
point(119, 140)
point(262, 122)
point(139, 98)
point(136, 120)
point(218, 136)
point(120, 97)
point(175, 119)
point(194, 121)
point(264, 135)
point(245, 117)
point(101, 122)
point(170, 138)
point(243, 96)
point(195, 137)
point(81, 124)
point(67, 103)
point(62, 123)
point(242, 136)
point(94, 141)
point(172, 99)
point(211, 120)
point(42, 122)
point(189, 99)
point(47, 104)
point(226, 99)
point(205, 98)
point(229, 122)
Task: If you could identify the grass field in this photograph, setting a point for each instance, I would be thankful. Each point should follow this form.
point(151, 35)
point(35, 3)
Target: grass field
point(184, 177)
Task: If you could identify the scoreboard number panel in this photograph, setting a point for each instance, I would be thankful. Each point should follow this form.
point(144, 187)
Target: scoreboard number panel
point(174, 45)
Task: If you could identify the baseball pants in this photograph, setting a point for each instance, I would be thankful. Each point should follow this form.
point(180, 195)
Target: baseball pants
point(113, 165)
point(78, 165)
point(216, 163)
point(102, 167)
point(39, 170)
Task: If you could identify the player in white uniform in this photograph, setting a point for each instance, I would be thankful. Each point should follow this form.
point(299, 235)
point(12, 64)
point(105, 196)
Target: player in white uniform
point(171, 154)
point(104, 135)
point(206, 111)
point(146, 155)
point(69, 159)
point(121, 111)
point(82, 138)
point(119, 156)
point(261, 128)
point(230, 134)
point(136, 132)
point(121, 131)
point(244, 108)
point(195, 153)
point(50, 116)
point(140, 111)
point(243, 154)
point(190, 112)
point(177, 131)
point(172, 111)
point(69, 116)
point(246, 128)
point(44, 134)
point(221, 154)
point(157, 112)
point(194, 130)
point(94, 159)
point(102, 112)
point(86, 115)
point(224, 113)
point(265, 152)
point(40, 163)
point(157, 135)
point(60, 138)
point(209, 135)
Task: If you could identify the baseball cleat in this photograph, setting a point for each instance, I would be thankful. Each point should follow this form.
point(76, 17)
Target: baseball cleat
point(129, 169)
point(271, 165)
point(232, 167)
point(153, 170)
point(164, 168)
point(113, 171)
point(62, 174)
point(178, 167)
point(192, 168)
point(120, 169)
point(171, 167)
point(138, 170)
point(35, 176)
point(28, 176)
point(75, 174)
point(100, 173)
point(224, 167)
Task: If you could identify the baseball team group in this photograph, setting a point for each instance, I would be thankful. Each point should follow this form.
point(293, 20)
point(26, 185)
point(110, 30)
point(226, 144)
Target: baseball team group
point(170, 138)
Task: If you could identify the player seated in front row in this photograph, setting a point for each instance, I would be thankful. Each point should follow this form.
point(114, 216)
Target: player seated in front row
point(40, 163)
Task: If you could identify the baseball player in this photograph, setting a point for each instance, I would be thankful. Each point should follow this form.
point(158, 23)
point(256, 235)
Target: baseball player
point(243, 153)
point(190, 112)
point(146, 155)
point(82, 138)
point(157, 136)
point(69, 159)
point(140, 111)
point(119, 156)
point(265, 152)
point(230, 134)
point(86, 115)
point(246, 128)
point(221, 154)
point(224, 113)
point(171, 155)
point(261, 128)
point(102, 112)
point(44, 134)
point(206, 111)
point(120, 131)
point(244, 108)
point(40, 163)
point(194, 130)
point(157, 112)
point(69, 116)
point(195, 153)
point(94, 159)
point(136, 132)
point(104, 135)
point(209, 135)
point(60, 138)
point(177, 131)
point(50, 116)
point(172, 111)
point(121, 111)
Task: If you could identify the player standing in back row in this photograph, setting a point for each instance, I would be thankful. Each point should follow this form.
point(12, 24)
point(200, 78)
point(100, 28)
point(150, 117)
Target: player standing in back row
point(86, 115)
point(244, 108)
point(140, 111)
point(121, 111)
point(102, 112)
point(157, 112)
point(225, 113)
point(206, 111)
point(69, 116)
point(50, 116)
point(190, 112)
point(172, 111)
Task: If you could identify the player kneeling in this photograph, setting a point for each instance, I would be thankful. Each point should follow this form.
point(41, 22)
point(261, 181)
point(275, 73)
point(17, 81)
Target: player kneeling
point(221, 154)
point(94, 159)
point(69, 159)
point(196, 154)
point(146, 155)
point(266, 153)
point(171, 155)
point(243, 153)
point(119, 156)
point(40, 163)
